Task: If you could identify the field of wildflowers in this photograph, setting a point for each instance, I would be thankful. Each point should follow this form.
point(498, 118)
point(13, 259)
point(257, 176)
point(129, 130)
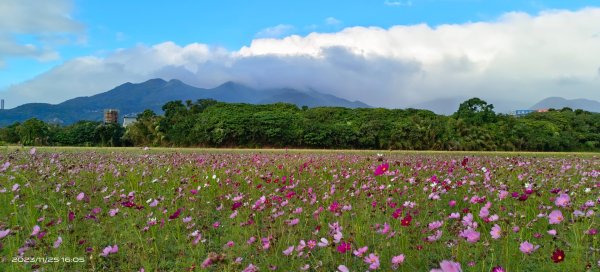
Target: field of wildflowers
point(147, 210)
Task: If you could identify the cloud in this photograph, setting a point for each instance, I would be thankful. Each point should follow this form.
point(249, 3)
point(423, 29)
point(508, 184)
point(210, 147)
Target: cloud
point(515, 58)
point(332, 21)
point(398, 3)
point(275, 31)
point(47, 22)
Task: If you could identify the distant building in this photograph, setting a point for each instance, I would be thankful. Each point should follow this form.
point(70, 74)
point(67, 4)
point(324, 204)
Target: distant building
point(520, 113)
point(542, 110)
point(111, 116)
point(2, 104)
point(128, 120)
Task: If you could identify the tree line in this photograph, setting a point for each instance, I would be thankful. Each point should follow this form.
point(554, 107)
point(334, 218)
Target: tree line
point(208, 123)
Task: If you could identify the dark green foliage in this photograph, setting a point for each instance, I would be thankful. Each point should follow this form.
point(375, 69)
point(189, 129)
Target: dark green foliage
point(209, 123)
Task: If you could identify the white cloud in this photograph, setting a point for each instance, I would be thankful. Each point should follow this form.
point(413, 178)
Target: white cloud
point(517, 58)
point(332, 21)
point(48, 22)
point(275, 31)
point(398, 3)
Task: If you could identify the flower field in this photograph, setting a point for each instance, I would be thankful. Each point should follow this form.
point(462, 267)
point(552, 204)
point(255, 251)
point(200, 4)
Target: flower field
point(147, 210)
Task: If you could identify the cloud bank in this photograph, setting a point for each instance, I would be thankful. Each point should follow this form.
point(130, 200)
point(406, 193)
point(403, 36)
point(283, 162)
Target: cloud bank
point(44, 24)
point(518, 58)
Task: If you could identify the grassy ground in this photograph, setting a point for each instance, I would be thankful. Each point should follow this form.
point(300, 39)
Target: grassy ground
point(200, 209)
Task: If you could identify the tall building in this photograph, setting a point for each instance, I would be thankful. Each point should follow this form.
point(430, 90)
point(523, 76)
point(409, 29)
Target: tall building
point(2, 104)
point(111, 116)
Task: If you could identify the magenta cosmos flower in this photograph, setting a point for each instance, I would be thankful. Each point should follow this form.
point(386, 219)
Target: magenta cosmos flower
point(381, 169)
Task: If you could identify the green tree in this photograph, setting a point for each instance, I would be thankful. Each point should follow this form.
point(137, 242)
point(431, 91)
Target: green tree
point(476, 112)
point(33, 132)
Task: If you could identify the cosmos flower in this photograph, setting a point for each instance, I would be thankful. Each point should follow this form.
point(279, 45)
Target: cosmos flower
point(80, 196)
point(528, 248)
point(4, 233)
point(36, 230)
point(360, 251)
point(381, 169)
point(343, 268)
point(343, 247)
point(555, 217)
point(448, 266)
point(397, 261)
point(558, 256)
point(471, 235)
point(58, 242)
point(496, 232)
point(563, 200)
point(288, 251)
point(498, 269)
point(373, 261)
point(109, 250)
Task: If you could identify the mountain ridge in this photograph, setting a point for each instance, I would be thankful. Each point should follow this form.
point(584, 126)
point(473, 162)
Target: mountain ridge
point(132, 98)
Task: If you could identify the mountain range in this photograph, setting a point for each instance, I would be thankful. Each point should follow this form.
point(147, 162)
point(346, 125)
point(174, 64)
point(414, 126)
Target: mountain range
point(449, 105)
point(133, 98)
point(559, 103)
point(130, 99)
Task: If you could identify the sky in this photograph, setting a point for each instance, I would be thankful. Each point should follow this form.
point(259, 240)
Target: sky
point(388, 53)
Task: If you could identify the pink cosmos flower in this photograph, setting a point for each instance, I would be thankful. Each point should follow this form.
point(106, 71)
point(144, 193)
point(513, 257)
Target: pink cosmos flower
point(109, 250)
point(288, 251)
point(266, 243)
point(80, 196)
point(435, 225)
point(496, 232)
point(113, 212)
point(58, 242)
point(397, 261)
point(527, 247)
point(452, 203)
point(323, 243)
point(251, 240)
point(4, 233)
point(454, 216)
point(187, 219)
point(552, 232)
point(385, 230)
point(373, 261)
point(434, 237)
point(471, 235)
point(448, 266)
point(36, 230)
point(359, 252)
point(293, 222)
point(562, 200)
point(555, 217)
point(343, 268)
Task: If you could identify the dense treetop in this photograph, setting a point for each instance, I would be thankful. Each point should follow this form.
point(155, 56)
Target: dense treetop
point(209, 123)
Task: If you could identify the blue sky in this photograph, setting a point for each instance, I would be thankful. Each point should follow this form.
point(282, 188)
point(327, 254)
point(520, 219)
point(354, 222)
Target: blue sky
point(101, 28)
